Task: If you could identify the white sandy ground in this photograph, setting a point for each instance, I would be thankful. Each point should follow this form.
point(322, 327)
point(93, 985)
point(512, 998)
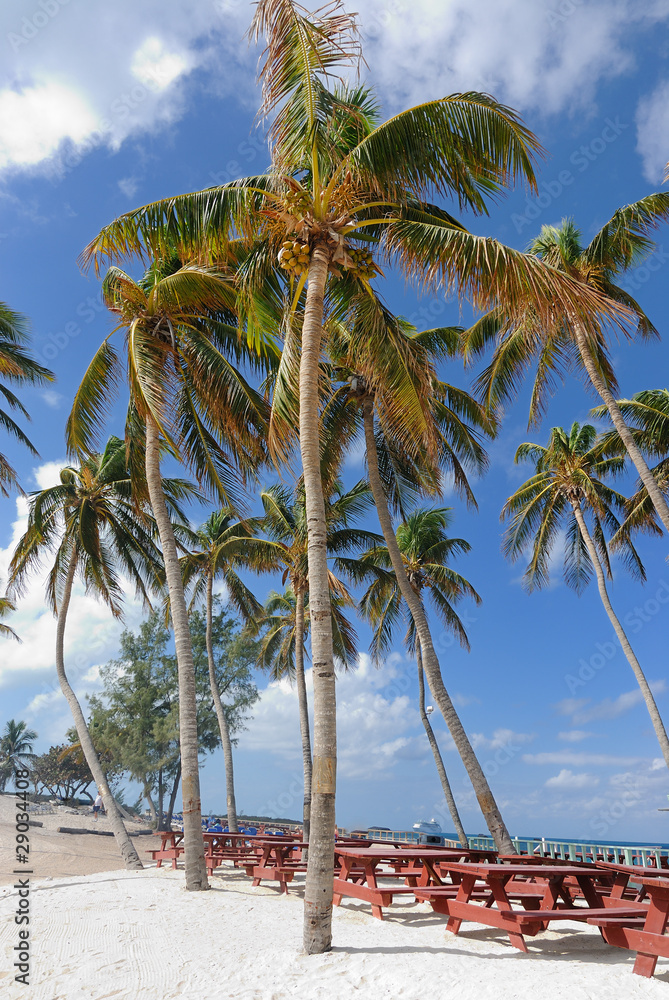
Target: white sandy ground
point(141, 935)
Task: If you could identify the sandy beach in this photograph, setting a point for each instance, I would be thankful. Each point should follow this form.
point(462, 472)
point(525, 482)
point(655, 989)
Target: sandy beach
point(141, 935)
point(54, 854)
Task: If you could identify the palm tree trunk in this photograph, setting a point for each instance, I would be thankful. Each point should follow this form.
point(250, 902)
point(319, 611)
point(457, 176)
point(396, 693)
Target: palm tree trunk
point(651, 705)
point(304, 711)
point(220, 715)
point(646, 476)
point(317, 930)
point(150, 804)
point(128, 852)
point(438, 760)
point(196, 872)
point(173, 796)
point(486, 801)
point(161, 798)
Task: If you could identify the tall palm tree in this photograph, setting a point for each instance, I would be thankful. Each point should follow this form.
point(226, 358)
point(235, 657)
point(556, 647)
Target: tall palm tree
point(426, 549)
point(219, 547)
point(647, 416)
point(18, 367)
point(185, 396)
point(16, 749)
point(416, 428)
point(339, 178)
point(286, 549)
point(92, 522)
point(566, 489)
point(562, 342)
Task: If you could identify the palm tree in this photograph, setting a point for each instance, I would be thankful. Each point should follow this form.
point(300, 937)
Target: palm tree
point(91, 520)
point(567, 488)
point(184, 396)
point(623, 242)
point(220, 546)
point(338, 179)
point(416, 427)
point(647, 416)
point(18, 367)
point(425, 549)
point(286, 549)
point(16, 749)
point(6, 608)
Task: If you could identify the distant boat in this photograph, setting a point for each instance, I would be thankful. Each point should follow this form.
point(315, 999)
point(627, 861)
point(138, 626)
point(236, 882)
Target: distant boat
point(428, 826)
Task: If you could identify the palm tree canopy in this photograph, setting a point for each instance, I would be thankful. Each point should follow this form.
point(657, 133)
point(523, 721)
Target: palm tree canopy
point(92, 517)
point(530, 340)
point(6, 608)
point(180, 327)
point(426, 550)
point(569, 471)
point(647, 415)
point(17, 366)
point(16, 741)
point(218, 549)
point(276, 627)
point(364, 187)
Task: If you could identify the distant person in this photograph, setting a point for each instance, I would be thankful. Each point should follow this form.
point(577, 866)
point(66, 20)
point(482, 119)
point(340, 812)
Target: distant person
point(97, 806)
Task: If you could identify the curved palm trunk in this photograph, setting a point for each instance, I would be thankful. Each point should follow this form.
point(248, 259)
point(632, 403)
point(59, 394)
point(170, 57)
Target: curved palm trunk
point(651, 705)
point(196, 872)
point(485, 798)
point(304, 712)
point(125, 845)
point(173, 797)
point(646, 476)
point(317, 931)
point(220, 715)
point(438, 760)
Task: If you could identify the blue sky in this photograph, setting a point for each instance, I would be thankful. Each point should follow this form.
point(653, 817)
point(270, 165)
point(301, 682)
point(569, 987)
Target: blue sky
point(103, 108)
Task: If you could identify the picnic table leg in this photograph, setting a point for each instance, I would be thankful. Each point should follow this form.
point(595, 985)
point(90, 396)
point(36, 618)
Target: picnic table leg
point(464, 892)
point(503, 903)
point(656, 921)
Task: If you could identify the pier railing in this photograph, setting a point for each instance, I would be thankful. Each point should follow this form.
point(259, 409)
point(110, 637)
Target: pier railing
point(590, 851)
point(654, 857)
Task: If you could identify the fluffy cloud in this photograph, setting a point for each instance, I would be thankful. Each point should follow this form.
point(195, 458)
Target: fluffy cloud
point(374, 720)
point(501, 738)
point(583, 711)
point(652, 122)
point(80, 75)
point(567, 779)
point(574, 736)
point(532, 55)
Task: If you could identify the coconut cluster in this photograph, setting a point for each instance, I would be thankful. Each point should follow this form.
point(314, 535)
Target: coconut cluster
point(294, 256)
point(363, 262)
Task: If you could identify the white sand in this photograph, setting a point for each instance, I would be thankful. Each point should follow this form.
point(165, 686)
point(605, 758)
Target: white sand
point(141, 935)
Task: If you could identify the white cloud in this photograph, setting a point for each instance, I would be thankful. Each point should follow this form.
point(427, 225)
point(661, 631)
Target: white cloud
point(52, 398)
point(523, 52)
point(608, 708)
point(155, 67)
point(36, 120)
point(128, 186)
point(374, 720)
point(574, 736)
point(91, 78)
point(652, 121)
point(567, 779)
point(505, 738)
point(581, 759)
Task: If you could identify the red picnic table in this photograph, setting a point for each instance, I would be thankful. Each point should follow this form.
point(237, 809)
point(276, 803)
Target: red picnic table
point(644, 933)
point(171, 847)
point(360, 869)
point(485, 893)
point(277, 860)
